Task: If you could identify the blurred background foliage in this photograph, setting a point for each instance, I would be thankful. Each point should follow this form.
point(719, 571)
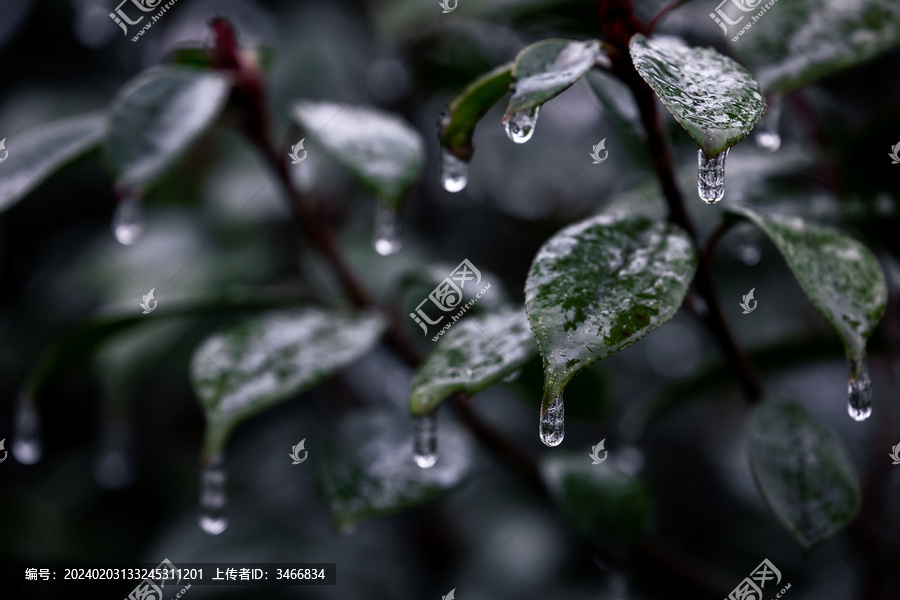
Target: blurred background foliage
point(667, 408)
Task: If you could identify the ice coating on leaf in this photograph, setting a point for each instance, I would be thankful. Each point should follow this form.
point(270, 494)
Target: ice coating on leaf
point(803, 472)
point(839, 275)
point(364, 470)
point(544, 70)
point(815, 38)
point(715, 99)
point(259, 362)
point(383, 150)
point(600, 285)
point(477, 352)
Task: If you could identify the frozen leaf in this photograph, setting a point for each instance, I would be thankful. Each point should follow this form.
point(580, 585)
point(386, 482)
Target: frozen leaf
point(544, 70)
point(803, 472)
point(810, 39)
point(365, 469)
point(476, 353)
point(156, 118)
point(715, 99)
point(457, 124)
point(839, 275)
point(600, 285)
point(36, 154)
point(383, 150)
point(249, 367)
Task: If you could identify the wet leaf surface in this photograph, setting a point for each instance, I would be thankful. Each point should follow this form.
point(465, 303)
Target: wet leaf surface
point(839, 275)
point(600, 285)
point(366, 469)
point(715, 99)
point(155, 119)
point(477, 352)
point(466, 109)
point(544, 70)
point(241, 371)
point(803, 472)
point(37, 154)
point(804, 40)
point(384, 151)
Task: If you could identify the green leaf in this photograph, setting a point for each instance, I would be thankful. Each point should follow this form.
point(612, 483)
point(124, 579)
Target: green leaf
point(803, 472)
point(249, 367)
point(38, 153)
point(381, 149)
point(715, 99)
point(546, 69)
point(468, 107)
point(476, 353)
point(366, 469)
point(839, 275)
point(809, 39)
point(603, 504)
point(600, 285)
point(156, 117)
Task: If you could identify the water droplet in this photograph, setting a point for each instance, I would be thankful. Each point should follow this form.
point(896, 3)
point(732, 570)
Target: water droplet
point(711, 176)
point(520, 125)
point(113, 466)
point(513, 376)
point(859, 392)
point(128, 221)
point(387, 231)
point(27, 445)
point(454, 172)
point(213, 496)
point(767, 136)
point(553, 422)
point(425, 440)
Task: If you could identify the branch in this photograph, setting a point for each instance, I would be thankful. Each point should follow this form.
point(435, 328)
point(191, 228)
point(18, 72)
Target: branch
point(703, 282)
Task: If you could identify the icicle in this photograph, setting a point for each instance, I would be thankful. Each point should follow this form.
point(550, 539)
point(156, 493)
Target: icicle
point(711, 176)
point(859, 392)
point(128, 220)
point(113, 466)
point(520, 125)
point(553, 422)
point(386, 236)
point(425, 440)
point(454, 172)
point(213, 496)
point(27, 444)
point(767, 130)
